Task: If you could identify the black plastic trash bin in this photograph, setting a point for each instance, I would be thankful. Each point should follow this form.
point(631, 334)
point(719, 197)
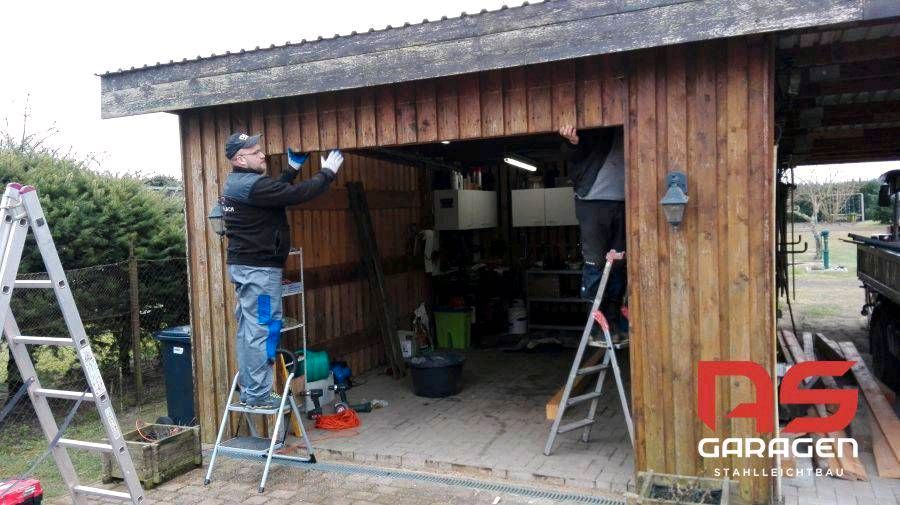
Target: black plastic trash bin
point(175, 349)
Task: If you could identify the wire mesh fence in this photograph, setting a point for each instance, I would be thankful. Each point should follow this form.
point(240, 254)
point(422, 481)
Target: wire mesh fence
point(122, 306)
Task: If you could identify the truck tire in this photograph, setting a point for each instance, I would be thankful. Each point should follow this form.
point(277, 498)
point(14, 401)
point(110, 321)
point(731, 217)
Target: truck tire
point(883, 326)
point(891, 329)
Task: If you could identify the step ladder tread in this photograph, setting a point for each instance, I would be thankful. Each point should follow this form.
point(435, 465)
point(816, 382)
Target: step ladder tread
point(583, 398)
point(64, 395)
point(575, 425)
point(105, 493)
point(602, 345)
point(237, 407)
point(24, 339)
point(248, 445)
point(80, 444)
point(591, 369)
point(33, 283)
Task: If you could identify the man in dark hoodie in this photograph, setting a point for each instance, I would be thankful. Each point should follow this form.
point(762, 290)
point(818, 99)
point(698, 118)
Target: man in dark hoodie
point(597, 169)
point(259, 240)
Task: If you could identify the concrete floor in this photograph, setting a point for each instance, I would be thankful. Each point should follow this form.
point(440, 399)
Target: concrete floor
point(495, 427)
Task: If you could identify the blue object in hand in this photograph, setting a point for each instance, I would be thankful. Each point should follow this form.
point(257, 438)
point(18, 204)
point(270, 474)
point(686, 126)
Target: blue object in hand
point(296, 160)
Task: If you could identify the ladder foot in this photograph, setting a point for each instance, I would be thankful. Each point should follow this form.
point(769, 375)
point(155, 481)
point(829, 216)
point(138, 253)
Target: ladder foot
point(312, 458)
point(205, 482)
point(262, 489)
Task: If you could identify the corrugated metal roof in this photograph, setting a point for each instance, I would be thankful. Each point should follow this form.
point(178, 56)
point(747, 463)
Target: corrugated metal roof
point(321, 38)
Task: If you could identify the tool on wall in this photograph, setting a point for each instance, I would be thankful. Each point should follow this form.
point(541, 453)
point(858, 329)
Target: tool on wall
point(372, 263)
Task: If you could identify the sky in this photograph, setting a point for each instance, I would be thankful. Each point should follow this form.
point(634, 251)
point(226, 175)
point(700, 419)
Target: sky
point(54, 49)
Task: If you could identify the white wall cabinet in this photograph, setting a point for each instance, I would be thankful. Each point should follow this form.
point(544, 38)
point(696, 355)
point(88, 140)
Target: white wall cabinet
point(528, 207)
point(465, 209)
point(543, 207)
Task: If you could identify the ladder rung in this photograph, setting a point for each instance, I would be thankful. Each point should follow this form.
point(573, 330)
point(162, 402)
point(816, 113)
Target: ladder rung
point(38, 284)
point(574, 426)
point(591, 369)
point(584, 398)
point(105, 493)
point(65, 395)
point(237, 407)
point(79, 444)
point(22, 339)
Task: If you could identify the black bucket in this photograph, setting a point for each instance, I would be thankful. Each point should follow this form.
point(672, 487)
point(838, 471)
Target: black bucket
point(437, 375)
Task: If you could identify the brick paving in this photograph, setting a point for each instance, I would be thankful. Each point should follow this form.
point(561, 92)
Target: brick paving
point(236, 481)
point(495, 429)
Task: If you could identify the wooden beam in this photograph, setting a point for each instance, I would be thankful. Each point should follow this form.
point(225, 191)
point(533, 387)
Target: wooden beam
point(845, 114)
point(827, 348)
point(885, 460)
point(577, 386)
point(878, 405)
point(853, 469)
point(468, 45)
point(844, 52)
point(785, 351)
point(870, 84)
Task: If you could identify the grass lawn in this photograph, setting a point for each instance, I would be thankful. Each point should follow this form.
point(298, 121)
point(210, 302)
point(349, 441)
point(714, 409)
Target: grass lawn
point(21, 441)
point(830, 301)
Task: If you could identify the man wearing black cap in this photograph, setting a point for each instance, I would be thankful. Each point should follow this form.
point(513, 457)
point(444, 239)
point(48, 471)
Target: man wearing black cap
point(259, 240)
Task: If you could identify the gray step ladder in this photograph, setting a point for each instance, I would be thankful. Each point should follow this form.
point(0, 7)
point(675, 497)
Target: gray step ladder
point(255, 445)
point(20, 211)
point(609, 361)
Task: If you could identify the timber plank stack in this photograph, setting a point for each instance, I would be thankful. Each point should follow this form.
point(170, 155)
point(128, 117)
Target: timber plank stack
point(884, 423)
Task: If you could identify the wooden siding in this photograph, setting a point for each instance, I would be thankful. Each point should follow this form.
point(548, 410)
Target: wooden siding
point(589, 92)
point(526, 35)
point(339, 308)
point(704, 290)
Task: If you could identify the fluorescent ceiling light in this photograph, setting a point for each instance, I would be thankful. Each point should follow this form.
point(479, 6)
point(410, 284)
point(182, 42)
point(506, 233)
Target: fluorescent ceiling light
point(520, 163)
point(445, 142)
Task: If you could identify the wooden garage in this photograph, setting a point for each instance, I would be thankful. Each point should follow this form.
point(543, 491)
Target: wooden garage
point(692, 84)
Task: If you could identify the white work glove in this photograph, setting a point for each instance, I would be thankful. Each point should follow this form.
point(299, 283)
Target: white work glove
point(333, 161)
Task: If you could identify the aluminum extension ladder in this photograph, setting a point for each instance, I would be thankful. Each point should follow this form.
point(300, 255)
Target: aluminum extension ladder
point(255, 445)
point(20, 211)
point(609, 361)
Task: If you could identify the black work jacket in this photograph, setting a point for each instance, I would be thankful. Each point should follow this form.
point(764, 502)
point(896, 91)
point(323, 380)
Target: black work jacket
point(253, 207)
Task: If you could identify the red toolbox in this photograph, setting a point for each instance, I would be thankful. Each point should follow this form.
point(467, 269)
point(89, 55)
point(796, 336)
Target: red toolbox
point(21, 492)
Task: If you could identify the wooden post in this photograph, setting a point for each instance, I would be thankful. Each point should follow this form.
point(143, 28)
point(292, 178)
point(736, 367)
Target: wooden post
point(135, 323)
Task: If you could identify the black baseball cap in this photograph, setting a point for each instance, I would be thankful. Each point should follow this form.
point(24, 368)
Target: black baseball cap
point(238, 141)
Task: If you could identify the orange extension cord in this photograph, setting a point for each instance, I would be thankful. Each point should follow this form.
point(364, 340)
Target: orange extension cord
point(342, 420)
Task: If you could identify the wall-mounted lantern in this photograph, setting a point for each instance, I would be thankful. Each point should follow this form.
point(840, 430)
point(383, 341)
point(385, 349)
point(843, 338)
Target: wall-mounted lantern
point(216, 219)
point(675, 199)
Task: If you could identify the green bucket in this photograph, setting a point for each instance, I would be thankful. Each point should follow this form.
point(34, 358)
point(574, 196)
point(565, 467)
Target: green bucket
point(317, 364)
point(453, 328)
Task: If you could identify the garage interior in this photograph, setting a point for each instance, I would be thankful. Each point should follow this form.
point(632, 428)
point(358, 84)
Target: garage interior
point(505, 257)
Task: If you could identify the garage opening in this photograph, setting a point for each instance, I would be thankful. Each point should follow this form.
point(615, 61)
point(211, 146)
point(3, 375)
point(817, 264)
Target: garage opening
point(499, 249)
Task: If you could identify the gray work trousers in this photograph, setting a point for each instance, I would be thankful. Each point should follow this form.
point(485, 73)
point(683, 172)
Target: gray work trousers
point(258, 315)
